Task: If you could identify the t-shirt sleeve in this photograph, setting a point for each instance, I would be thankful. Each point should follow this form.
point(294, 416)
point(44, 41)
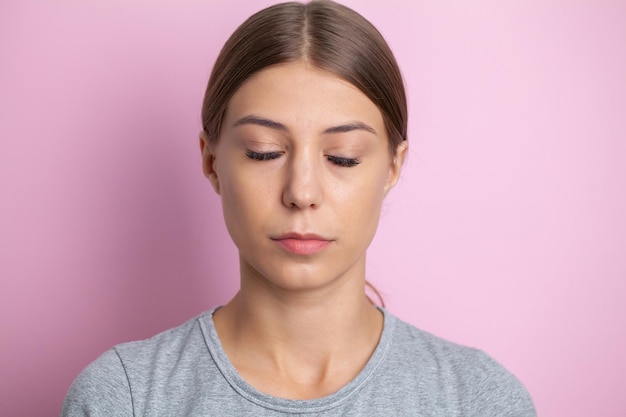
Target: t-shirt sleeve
point(495, 392)
point(100, 390)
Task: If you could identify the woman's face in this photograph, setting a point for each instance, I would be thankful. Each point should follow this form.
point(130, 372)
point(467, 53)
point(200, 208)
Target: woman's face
point(302, 166)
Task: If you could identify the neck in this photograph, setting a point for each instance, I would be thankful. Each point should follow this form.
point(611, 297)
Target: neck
point(312, 333)
point(319, 319)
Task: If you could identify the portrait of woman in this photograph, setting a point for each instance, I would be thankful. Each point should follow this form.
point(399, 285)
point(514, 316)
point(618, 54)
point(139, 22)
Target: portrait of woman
point(342, 247)
point(304, 134)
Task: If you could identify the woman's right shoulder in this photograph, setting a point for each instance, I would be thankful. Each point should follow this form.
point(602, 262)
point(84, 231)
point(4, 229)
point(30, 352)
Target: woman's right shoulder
point(106, 386)
point(101, 389)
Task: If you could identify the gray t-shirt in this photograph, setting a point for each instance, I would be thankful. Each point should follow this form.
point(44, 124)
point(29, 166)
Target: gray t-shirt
point(185, 372)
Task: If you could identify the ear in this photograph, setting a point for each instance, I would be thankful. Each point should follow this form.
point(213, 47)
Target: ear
point(207, 148)
point(396, 165)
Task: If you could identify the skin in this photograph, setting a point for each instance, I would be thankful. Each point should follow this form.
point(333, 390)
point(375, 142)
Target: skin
point(301, 151)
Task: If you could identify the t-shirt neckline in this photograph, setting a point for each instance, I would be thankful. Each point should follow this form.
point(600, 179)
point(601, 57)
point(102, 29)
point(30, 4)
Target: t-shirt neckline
point(289, 405)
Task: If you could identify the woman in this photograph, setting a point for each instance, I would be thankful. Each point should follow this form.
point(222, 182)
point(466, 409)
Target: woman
point(304, 133)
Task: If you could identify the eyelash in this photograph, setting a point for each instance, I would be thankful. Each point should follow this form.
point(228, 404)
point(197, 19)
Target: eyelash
point(343, 162)
point(337, 160)
point(263, 156)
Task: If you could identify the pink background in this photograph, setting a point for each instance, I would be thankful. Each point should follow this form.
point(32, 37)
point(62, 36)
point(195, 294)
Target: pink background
point(507, 231)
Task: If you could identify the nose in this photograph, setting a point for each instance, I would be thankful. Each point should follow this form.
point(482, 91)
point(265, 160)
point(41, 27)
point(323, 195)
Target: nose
point(303, 188)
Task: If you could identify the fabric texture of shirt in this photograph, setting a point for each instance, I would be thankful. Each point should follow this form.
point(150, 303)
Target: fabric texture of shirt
point(185, 372)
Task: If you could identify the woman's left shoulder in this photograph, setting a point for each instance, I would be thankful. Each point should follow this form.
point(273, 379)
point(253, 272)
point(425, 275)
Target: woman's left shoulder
point(480, 384)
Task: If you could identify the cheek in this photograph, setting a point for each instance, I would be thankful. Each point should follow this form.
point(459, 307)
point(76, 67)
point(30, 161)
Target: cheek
point(246, 202)
point(237, 203)
point(362, 203)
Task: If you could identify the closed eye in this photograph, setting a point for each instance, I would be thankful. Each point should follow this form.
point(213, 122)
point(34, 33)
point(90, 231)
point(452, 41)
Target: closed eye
point(263, 156)
point(343, 162)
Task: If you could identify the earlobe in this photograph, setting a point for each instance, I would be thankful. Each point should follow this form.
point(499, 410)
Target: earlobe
point(396, 165)
point(209, 161)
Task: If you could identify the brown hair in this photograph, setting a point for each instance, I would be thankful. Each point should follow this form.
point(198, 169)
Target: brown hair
point(322, 33)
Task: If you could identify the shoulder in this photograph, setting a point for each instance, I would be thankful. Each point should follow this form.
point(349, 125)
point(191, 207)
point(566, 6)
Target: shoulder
point(466, 376)
point(101, 389)
point(164, 347)
point(115, 383)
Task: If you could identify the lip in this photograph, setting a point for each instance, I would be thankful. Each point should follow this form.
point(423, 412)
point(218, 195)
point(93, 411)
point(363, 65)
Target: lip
point(302, 244)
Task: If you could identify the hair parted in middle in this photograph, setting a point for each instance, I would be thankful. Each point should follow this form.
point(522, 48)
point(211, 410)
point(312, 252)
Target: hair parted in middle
point(323, 34)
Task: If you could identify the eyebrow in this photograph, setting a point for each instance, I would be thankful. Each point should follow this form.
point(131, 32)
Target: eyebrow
point(349, 127)
point(261, 121)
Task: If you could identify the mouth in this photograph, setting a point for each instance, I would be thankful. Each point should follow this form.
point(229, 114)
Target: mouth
point(302, 244)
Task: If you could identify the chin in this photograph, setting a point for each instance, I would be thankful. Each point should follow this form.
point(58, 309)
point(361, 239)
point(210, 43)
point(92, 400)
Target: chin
point(300, 278)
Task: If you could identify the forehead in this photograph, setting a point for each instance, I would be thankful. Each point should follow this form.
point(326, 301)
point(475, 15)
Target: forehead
point(296, 93)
